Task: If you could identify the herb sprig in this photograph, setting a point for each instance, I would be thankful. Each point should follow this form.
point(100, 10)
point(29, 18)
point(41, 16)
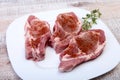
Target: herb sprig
point(90, 19)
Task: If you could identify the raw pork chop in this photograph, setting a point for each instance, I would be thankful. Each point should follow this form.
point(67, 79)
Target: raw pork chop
point(86, 46)
point(66, 24)
point(37, 34)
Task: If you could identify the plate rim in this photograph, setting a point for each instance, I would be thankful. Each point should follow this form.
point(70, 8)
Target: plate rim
point(42, 13)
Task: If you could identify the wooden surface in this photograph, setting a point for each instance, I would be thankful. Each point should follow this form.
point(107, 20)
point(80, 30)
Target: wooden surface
point(12, 9)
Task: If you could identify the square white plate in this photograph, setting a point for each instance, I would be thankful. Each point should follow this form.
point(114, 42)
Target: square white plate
point(48, 69)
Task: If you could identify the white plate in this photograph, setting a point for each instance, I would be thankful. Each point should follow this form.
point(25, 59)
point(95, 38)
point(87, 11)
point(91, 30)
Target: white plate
point(47, 69)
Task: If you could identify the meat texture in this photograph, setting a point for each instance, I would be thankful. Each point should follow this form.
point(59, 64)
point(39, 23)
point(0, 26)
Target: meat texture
point(37, 34)
point(86, 46)
point(65, 25)
point(74, 45)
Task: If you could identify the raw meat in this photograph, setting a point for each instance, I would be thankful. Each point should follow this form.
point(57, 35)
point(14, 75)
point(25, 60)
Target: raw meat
point(86, 46)
point(73, 45)
point(66, 24)
point(37, 34)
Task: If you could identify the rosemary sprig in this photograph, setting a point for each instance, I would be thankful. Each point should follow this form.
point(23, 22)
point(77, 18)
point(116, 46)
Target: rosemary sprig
point(90, 19)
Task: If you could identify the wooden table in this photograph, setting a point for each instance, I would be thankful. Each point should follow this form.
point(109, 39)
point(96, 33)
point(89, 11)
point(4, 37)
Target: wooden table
point(12, 9)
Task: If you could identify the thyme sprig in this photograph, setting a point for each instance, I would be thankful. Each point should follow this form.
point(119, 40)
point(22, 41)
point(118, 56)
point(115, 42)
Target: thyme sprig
point(91, 19)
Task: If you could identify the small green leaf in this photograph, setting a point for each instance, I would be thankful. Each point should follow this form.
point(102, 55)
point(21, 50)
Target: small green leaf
point(94, 20)
point(88, 15)
point(91, 19)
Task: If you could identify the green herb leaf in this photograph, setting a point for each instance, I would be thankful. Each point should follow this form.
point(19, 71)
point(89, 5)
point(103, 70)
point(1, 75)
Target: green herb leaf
point(91, 19)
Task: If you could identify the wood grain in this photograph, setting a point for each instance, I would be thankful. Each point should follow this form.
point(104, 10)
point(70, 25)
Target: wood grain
point(12, 9)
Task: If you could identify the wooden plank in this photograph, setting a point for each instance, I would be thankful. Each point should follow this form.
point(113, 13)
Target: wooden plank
point(12, 9)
